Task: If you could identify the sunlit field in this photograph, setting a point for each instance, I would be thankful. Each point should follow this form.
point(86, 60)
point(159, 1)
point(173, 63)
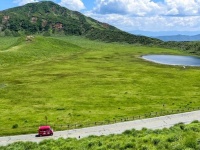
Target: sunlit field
point(72, 80)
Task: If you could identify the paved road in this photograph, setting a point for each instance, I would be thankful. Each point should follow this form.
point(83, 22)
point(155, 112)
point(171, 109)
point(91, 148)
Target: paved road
point(117, 128)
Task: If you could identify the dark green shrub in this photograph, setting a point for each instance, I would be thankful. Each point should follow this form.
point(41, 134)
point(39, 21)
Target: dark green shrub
point(109, 145)
point(129, 145)
point(127, 132)
point(15, 126)
point(172, 138)
point(145, 140)
point(134, 132)
point(198, 141)
point(7, 32)
point(182, 126)
point(192, 128)
point(195, 121)
point(155, 141)
point(91, 144)
point(100, 143)
point(191, 143)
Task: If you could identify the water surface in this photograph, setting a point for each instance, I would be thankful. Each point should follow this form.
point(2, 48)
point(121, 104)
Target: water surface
point(173, 60)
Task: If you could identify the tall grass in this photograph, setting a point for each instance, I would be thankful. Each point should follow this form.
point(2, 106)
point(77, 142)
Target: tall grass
point(174, 138)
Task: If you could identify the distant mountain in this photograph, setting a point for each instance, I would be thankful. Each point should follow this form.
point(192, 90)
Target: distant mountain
point(163, 33)
point(48, 18)
point(179, 38)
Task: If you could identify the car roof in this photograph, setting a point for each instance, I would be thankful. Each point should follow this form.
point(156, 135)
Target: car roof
point(44, 127)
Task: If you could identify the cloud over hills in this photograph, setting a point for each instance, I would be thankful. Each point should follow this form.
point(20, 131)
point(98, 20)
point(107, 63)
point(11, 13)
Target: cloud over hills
point(157, 15)
point(22, 2)
point(73, 4)
point(149, 7)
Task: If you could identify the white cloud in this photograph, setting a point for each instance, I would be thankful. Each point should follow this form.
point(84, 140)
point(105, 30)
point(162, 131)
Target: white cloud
point(23, 2)
point(150, 23)
point(183, 7)
point(134, 7)
point(72, 4)
point(148, 7)
point(165, 15)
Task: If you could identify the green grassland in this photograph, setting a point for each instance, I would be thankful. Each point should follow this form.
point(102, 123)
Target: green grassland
point(72, 80)
point(179, 137)
point(7, 42)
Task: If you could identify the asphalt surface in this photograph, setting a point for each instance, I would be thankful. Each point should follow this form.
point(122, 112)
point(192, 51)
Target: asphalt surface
point(117, 128)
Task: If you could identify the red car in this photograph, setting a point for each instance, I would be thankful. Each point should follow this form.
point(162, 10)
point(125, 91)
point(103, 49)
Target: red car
point(45, 130)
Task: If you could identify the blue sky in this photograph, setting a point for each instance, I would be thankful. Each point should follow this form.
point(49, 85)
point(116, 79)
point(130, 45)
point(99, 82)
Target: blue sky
point(154, 16)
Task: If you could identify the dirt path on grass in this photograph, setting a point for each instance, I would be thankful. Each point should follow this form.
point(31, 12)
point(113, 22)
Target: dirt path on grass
point(117, 128)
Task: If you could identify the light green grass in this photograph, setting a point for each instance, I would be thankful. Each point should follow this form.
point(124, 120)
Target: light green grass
point(6, 42)
point(73, 80)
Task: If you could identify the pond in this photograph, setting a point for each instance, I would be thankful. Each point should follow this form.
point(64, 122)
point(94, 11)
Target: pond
point(173, 60)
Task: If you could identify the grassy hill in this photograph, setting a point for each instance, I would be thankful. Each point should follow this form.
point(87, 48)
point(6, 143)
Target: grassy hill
point(73, 80)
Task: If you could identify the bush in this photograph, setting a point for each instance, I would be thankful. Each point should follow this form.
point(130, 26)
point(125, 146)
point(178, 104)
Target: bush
point(145, 140)
point(129, 145)
point(191, 143)
point(155, 141)
point(15, 126)
point(195, 121)
point(127, 132)
point(91, 144)
point(182, 126)
point(173, 138)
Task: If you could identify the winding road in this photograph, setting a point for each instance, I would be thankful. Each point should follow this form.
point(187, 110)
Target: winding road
point(117, 128)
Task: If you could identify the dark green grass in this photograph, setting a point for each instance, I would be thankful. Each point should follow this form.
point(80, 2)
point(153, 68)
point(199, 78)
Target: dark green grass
point(178, 137)
point(72, 80)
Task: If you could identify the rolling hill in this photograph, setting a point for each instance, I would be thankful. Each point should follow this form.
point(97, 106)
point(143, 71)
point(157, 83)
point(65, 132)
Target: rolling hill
point(48, 18)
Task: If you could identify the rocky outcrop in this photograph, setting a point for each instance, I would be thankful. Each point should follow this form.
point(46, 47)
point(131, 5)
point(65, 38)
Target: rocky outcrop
point(5, 19)
point(58, 26)
point(34, 19)
point(29, 38)
point(44, 22)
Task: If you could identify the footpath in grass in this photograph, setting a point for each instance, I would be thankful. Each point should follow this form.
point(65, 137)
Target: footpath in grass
point(71, 80)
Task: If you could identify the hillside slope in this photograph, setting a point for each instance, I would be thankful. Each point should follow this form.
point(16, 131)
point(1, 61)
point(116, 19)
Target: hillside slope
point(48, 18)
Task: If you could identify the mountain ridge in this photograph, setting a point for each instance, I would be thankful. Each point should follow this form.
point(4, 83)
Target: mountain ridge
point(179, 38)
point(49, 18)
